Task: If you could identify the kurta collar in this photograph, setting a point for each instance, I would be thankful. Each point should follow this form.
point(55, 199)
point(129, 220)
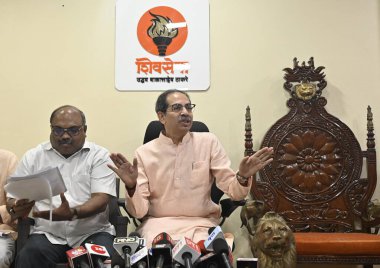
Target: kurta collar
point(167, 140)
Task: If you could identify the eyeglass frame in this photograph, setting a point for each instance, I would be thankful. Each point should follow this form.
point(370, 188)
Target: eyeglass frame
point(188, 106)
point(69, 130)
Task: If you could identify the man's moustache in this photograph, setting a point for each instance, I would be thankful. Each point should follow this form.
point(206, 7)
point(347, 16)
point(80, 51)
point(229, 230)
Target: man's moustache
point(65, 142)
point(184, 119)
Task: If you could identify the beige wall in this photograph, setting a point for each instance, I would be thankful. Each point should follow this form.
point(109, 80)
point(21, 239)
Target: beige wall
point(62, 52)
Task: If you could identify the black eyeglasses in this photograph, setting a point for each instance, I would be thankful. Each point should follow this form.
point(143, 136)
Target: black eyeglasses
point(72, 131)
point(177, 107)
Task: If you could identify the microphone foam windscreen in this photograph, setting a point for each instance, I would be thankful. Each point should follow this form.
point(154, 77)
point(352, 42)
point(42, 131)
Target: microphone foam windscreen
point(163, 238)
point(201, 245)
point(210, 230)
point(220, 246)
point(162, 246)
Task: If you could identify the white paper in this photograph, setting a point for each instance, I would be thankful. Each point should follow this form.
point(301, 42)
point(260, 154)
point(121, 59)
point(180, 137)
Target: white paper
point(39, 186)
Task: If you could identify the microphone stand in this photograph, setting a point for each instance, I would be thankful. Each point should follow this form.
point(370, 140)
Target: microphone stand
point(226, 261)
point(142, 265)
point(160, 262)
point(187, 258)
point(98, 263)
point(127, 258)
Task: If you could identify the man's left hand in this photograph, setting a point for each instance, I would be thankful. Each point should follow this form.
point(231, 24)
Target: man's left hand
point(19, 208)
point(251, 164)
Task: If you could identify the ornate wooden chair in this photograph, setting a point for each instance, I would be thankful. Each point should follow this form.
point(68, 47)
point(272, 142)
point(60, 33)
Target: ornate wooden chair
point(315, 181)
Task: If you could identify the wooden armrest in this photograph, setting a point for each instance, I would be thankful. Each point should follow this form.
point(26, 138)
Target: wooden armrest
point(228, 206)
point(121, 203)
point(121, 226)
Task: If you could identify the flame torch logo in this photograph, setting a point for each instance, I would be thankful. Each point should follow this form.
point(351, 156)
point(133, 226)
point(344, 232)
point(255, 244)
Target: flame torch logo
point(162, 31)
point(161, 34)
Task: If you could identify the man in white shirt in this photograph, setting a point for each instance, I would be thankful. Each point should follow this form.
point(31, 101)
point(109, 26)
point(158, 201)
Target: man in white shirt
point(80, 215)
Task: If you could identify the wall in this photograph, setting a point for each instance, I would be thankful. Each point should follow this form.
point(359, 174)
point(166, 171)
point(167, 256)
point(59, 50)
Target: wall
point(62, 52)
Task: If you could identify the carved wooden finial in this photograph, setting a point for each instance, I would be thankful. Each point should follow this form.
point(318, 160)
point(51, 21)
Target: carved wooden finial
point(248, 133)
point(306, 75)
point(370, 135)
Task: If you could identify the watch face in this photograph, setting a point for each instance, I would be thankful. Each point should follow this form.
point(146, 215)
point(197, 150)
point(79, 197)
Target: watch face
point(10, 210)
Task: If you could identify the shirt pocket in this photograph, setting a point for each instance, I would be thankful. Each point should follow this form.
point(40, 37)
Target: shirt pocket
point(200, 175)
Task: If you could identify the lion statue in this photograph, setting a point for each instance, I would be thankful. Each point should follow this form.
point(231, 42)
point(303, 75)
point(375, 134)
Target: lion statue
point(273, 243)
point(373, 209)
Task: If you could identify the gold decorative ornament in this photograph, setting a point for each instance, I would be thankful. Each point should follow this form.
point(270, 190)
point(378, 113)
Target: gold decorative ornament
point(305, 91)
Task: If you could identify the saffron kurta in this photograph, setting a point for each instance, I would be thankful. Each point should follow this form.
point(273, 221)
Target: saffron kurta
point(174, 184)
point(8, 163)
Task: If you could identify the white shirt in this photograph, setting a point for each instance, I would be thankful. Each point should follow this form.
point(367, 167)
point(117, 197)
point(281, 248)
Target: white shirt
point(84, 173)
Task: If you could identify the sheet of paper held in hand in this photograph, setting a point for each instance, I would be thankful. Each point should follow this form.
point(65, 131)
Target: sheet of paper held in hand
point(42, 185)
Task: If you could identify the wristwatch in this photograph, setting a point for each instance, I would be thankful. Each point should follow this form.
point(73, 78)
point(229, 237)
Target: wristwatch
point(74, 212)
point(10, 208)
point(241, 179)
point(11, 211)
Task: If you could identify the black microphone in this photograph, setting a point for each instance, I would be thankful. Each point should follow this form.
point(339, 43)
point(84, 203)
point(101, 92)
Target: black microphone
point(126, 246)
point(78, 258)
point(186, 252)
point(162, 249)
point(214, 233)
point(98, 254)
point(210, 260)
point(221, 248)
point(201, 245)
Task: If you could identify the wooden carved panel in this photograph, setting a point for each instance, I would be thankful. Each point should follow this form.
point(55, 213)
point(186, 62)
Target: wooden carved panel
point(314, 181)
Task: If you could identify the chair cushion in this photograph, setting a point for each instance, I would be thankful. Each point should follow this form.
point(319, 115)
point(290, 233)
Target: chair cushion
point(355, 244)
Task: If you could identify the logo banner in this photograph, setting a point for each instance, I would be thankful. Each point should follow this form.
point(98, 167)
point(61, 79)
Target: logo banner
point(162, 45)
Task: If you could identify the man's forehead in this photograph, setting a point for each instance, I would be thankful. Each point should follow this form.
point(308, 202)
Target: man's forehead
point(68, 114)
point(175, 96)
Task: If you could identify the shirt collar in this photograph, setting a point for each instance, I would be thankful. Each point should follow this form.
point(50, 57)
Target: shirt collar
point(168, 140)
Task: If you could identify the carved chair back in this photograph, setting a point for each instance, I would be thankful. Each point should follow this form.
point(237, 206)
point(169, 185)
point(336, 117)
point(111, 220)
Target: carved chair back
point(315, 181)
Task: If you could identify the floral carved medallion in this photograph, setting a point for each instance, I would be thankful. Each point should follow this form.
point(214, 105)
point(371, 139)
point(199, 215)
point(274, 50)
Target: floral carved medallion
point(309, 161)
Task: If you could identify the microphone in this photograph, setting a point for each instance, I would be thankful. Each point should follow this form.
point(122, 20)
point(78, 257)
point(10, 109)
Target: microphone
point(78, 258)
point(210, 260)
point(126, 246)
point(98, 254)
point(186, 252)
point(162, 249)
point(140, 259)
point(201, 245)
point(220, 247)
point(214, 233)
point(142, 244)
